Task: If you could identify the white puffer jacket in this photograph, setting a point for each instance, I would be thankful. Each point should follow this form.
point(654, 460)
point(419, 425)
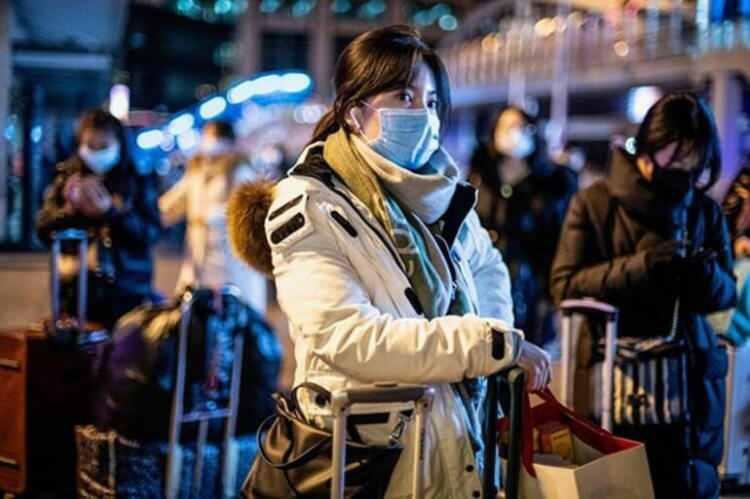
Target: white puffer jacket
point(341, 284)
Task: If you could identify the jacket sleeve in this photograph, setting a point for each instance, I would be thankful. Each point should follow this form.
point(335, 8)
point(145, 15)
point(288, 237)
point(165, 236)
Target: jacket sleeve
point(173, 203)
point(136, 223)
point(53, 215)
point(711, 285)
point(331, 311)
point(490, 273)
point(575, 273)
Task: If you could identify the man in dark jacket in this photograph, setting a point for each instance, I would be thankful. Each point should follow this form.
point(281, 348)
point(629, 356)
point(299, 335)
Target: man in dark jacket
point(522, 201)
point(99, 189)
point(624, 242)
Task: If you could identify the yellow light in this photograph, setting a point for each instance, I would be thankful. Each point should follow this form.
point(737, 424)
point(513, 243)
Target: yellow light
point(545, 27)
point(622, 48)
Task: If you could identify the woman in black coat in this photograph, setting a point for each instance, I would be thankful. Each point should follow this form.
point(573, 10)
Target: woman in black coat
point(639, 240)
point(99, 189)
point(523, 197)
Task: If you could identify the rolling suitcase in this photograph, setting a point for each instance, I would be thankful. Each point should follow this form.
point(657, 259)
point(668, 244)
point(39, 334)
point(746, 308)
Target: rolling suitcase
point(735, 464)
point(341, 403)
point(47, 376)
point(111, 466)
point(595, 309)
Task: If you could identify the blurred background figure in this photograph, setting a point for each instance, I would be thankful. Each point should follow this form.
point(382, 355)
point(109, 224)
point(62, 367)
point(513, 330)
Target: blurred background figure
point(523, 196)
point(200, 198)
point(99, 189)
point(734, 324)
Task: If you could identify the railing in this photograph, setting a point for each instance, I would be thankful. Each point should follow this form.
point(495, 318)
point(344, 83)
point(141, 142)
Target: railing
point(544, 48)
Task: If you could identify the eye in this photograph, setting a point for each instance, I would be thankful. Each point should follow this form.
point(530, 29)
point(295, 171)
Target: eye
point(406, 96)
point(432, 104)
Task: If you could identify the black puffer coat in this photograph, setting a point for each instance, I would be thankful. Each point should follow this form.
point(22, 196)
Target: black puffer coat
point(605, 252)
point(524, 222)
point(132, 226)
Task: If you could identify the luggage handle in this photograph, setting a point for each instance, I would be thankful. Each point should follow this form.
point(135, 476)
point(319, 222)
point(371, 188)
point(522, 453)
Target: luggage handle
point(343, 400)
point(80, 236)
point(589, 307)
point(515, 377)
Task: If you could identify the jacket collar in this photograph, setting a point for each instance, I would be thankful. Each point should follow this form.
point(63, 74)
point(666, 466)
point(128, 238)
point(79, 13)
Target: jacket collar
point(312, 164)
point(638, 196)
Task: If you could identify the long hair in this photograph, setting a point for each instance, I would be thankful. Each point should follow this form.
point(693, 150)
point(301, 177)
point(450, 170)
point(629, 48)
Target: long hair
point(377, 61)
point(682, 117)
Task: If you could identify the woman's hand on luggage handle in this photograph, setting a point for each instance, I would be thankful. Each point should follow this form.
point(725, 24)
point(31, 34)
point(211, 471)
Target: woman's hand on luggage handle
point(536, 364)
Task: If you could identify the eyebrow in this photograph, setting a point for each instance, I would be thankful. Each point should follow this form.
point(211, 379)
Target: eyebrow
point(409, 86)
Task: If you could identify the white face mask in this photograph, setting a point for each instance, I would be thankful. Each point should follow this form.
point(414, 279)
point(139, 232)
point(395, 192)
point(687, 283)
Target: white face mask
point(408, 137)
point(100, 160)
point(515, 143)
point(215, 147)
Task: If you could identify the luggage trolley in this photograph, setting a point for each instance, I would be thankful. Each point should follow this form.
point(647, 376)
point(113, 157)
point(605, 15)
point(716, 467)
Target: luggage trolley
point(202, 417)
point(590, 308)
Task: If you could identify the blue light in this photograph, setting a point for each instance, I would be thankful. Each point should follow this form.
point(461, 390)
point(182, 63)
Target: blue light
point(270, 6)
point(36, 133)
point(181, 123)
point(150, 139)
point(241, 92)
point(10, 131)
point(295, 82)
point(448, 22)
point(301, 8)
point(340, 6)
point(640, 100)
point(267, 84)
point(213, 107)
point(223, 7)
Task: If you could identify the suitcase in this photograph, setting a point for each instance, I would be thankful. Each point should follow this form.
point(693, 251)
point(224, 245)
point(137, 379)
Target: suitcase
point(589, 307)
point(47, 376)
point(735, 464)
point(115, 467)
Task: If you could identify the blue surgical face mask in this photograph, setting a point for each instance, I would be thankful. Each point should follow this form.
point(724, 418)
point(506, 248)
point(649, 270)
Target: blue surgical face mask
point(408, 137)
point(100, 161)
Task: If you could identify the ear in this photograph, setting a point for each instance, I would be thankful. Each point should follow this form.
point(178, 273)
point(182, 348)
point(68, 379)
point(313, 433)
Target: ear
point(355, 119)
point(646, 167)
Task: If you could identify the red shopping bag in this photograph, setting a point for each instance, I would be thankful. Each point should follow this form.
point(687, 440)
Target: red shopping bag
point(601, 464)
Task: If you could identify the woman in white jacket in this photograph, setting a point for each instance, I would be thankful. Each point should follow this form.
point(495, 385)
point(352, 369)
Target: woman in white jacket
point(380, 262)
point(201, 198)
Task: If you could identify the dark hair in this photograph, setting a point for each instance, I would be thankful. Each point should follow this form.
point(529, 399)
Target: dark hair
point(378, 61)
point(103, 121)
point(222, 128)
point(735, 200)
point(682, 117)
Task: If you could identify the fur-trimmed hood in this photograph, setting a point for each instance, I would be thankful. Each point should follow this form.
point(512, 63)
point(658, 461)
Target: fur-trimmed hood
point(246, 216)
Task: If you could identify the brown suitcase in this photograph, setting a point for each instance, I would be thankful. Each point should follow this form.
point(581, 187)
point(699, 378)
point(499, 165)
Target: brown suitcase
point(45, 390)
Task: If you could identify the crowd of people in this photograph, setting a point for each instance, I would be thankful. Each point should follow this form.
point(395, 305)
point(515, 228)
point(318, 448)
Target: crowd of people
point(387, 263)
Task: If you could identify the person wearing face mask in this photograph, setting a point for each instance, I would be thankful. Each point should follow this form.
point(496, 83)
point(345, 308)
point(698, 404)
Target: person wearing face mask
point(522, 201)
point(650, 241)
point(99, 189)
point(200, 197)
point(381, 264)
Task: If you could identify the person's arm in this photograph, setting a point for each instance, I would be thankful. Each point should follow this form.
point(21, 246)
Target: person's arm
point(173, 203)
point(332, 313)
point(216, 214)
point(575, 275)
point(490, 273)
point(56, 213)
point(709, 282)
point(136, 222)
